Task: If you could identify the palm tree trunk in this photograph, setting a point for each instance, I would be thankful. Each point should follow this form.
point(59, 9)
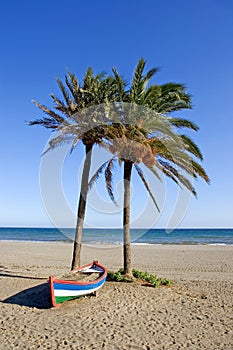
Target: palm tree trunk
point(126, 218)
point(81, 209)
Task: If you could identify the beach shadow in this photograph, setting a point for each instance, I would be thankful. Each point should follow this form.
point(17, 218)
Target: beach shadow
point(20, 276)
point(38, 297)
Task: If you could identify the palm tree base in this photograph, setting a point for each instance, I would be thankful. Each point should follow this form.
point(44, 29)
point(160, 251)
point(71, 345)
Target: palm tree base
point(128, 276)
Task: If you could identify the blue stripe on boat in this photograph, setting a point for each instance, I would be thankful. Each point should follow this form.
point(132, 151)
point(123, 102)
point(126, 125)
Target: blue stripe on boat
point(68, 286)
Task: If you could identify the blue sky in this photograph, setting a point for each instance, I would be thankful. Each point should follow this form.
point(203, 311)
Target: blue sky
point(192, 43)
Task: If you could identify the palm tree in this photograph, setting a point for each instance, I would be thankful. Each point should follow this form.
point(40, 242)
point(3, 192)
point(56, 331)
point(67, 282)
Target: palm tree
point(149, 135)
point(71, 120)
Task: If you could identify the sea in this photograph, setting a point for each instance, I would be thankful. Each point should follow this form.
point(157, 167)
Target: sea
point(141, 236)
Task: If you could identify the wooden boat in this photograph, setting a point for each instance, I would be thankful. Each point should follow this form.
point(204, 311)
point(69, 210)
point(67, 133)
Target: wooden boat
point(85, 280)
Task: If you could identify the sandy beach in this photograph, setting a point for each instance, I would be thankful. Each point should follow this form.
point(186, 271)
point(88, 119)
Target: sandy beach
point(195, 313)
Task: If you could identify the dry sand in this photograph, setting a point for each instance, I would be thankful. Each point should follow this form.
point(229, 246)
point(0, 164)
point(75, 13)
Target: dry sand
point(196, 313)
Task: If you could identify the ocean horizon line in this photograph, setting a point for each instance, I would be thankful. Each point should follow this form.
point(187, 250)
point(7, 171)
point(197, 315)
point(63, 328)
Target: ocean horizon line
point(119, 228)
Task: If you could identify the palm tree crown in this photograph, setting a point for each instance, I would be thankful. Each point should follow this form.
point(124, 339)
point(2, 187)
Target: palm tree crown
point(74, 124)
point(147, 134)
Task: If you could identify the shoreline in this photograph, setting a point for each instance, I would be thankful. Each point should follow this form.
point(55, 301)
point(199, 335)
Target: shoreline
point(195, 313)
point(118, 243)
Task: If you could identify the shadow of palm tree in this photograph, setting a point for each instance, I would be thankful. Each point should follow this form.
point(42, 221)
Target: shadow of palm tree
point(38, 297)
point(20, 276)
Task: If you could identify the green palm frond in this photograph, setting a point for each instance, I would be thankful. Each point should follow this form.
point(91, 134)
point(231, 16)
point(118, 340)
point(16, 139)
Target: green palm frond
point(138, 92)
point(88, 79)
point(48, 123)
point(175, 153)
point(52, 114)
point(64, 91)
point(137, 86)
point(179, 177)
point(176, 92)
point(72, 84)
point(73, 79)
point(151, 96)
point(191, 146)
point(199, 170)
point(183, 162)
point(106, 91)
point(108, 180)
point(59, 105)
point(169, 98)
point(107, 169)
point(120, 87)
point(141, 175)
point(155, 172)
point(74, 143)
point(97, 174)
point(58, 141)
point(100, 76)
point(170, 175)
point(183, 123)
point(149, 75)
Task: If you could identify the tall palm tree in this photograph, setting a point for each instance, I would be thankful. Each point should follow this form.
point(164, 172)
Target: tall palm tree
point(149, 135)
point(71, 119)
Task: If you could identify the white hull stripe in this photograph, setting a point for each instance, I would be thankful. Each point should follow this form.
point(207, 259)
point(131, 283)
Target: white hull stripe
point(68, 293)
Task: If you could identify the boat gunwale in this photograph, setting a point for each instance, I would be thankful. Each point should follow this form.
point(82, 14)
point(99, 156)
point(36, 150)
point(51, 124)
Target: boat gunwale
point(55, 280)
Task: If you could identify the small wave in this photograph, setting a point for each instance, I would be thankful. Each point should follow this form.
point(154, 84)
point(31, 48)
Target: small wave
point(143, 243)
point(32, 241)
point(219, 244)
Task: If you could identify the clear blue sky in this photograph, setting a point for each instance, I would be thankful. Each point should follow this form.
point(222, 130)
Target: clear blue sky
point(192, 42)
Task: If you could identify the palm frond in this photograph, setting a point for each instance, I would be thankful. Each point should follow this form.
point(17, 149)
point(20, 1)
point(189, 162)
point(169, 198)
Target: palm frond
point(97, 174)
point(148, 76)
point(137, 79)
point(176, 92)
point(181, 178)
point(199, 170)
point(73, 79)
point(181, 161)
point(59, 105)
point(120, 84)
point(52, 114)
point(183, 123)
point(170, 175)
point(88, 79)
point(71, 82)
point(141, 175)
point(108, 180)
point(191, 146)
point(57, 141)
point(74, 143)
point(150, 97)
point(64, 91)
point(100, 76)
point(154, 171)
point(171, 97)
point(48, 123)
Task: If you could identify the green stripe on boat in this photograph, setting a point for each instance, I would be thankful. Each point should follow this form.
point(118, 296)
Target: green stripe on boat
point(60, 300)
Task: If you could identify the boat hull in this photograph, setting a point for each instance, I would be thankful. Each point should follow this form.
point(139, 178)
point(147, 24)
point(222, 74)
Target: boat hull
point(64, 290)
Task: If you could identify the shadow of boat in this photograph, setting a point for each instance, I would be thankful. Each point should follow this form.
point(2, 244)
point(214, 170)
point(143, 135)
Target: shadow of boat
point(37, 296)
